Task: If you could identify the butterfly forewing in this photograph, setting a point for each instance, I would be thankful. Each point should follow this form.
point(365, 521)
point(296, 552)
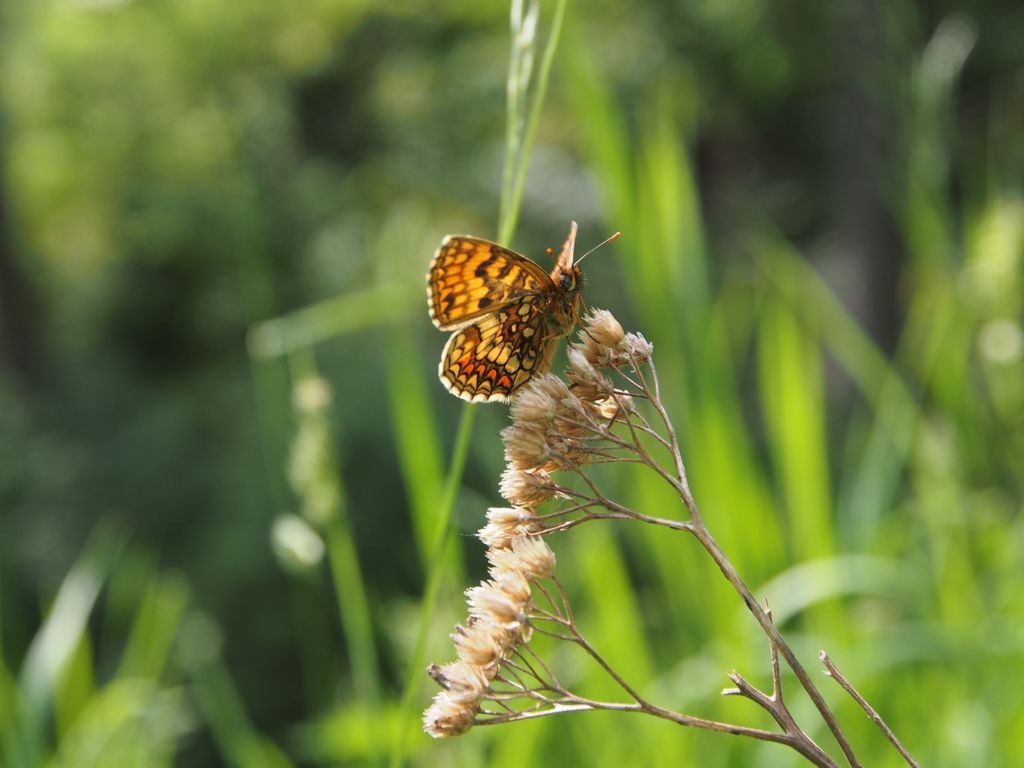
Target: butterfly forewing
point(470, 277)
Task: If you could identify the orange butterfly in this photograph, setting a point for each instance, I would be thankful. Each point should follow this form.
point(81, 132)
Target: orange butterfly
point(505, 312)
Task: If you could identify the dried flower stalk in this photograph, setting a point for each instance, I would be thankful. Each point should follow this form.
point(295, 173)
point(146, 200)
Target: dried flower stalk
point(564, 427)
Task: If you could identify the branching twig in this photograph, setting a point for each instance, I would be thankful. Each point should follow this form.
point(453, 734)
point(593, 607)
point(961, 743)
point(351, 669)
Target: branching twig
point(876, 718)
point(700, 531)
point(775, 705)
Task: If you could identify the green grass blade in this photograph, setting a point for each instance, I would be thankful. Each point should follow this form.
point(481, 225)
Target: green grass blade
point(353, 608)
point(238, 742)
point(510, 212)
point(74, 688)
point(793, 402)
point(325, 319)
point(414, 423)
point(130, 723)
point(874, 480)
point(442, 540)
point(415, 431)
point(155, 628)
point(53, 647)
point(317, 481)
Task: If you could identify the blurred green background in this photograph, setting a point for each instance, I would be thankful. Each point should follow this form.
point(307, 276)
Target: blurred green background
point(210, 210)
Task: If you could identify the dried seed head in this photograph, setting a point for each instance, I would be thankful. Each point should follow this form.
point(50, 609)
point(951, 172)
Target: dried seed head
point(604, 329)
point(552, 386)
point(580, 368)
point(587, 382)
point(535, 558)
point(534, 404)
point(494, 537)
point(448, 717)
point(525, 445)
point(639, 348)
point(465, 683)
point(572, 429)
point(528, 556)
point(480, 644)
point(547, 428)
point(502, 560)
point(609, 408)
point(567, 450)
point(599, 355)
point(526, 489)
point(501, 601)
point(515, 586)
point(504, 523)
point(602, 340)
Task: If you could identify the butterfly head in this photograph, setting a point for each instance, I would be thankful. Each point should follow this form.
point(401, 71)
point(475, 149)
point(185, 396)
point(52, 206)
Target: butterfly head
point(567, 275)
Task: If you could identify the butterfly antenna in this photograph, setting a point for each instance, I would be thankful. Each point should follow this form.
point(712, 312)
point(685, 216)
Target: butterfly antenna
point(616, 236)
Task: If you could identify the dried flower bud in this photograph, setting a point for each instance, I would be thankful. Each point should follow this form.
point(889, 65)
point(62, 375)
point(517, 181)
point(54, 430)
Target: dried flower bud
point(610, 407)
point(587, 382)
point(501, 601)
point(448, 717)
point(528, 556)
point(534, 404)
point(502, 560)
point(465, 683)
point(525, 445)
point(638, 347)
point(526, 489)
point(604, 329)
point(552, 386)
point(504, 523)
point(481, 644)
point(535, 558)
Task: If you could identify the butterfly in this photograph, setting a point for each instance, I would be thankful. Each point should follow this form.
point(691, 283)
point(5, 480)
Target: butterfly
point(505, 313)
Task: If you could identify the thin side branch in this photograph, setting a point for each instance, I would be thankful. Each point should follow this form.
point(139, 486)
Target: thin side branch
point(876, 718)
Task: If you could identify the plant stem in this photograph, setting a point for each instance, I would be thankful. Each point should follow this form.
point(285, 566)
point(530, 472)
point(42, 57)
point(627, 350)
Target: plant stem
point(703, 535)
point(876, 718)
point(510, 212)
point(792, 736)
point(700, 531)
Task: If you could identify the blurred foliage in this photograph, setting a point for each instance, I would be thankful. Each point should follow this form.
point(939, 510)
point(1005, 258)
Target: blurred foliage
point(222, 444)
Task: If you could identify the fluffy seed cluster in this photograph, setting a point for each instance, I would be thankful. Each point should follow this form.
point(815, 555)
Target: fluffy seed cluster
point(553, 426)
point(498, 623)
point(553, 421)
point(545, 435)
point(606, 345)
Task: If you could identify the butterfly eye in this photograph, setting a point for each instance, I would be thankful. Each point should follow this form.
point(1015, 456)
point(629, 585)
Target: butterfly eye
point(566, 282)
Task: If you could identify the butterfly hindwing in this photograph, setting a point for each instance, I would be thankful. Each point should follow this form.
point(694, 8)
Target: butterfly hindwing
point(491, 358)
